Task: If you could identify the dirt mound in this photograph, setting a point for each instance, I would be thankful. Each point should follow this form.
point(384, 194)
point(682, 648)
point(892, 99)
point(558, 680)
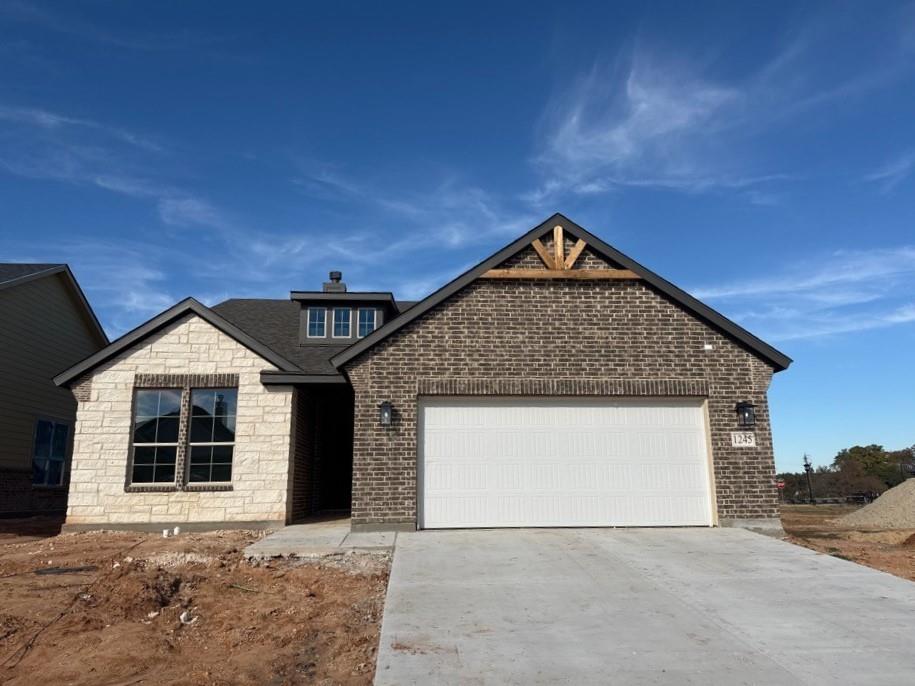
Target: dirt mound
point(895, 509)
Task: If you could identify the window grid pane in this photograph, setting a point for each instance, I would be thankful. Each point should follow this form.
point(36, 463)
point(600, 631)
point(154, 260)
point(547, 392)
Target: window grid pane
point(154, 464)
point(155, 435)
point(366, 322)
point(317, 318)
point(212, 435)
point(342, 316)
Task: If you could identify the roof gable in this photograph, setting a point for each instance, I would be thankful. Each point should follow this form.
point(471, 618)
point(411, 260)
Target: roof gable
point(13, 274)
point(186, 306)
point(567, 263)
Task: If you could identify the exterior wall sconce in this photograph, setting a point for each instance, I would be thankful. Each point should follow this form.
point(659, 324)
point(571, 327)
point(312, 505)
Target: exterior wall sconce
point(746, 414)
point(385, 413)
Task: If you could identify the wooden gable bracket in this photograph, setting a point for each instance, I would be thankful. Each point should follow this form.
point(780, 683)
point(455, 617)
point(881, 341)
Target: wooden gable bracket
point(559, 265)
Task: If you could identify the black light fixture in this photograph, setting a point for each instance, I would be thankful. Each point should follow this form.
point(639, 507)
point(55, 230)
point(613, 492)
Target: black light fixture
point(746, 414)
point(385, 413)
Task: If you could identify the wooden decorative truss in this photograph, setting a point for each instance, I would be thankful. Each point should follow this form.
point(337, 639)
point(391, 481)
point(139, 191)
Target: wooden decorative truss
point(559, 265)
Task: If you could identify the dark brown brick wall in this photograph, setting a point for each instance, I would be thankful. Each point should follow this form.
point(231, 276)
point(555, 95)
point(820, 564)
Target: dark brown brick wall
point(305, 476)
point(564, 337)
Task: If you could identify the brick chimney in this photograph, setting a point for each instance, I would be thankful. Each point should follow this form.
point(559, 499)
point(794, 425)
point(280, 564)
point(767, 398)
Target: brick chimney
point(335, 285)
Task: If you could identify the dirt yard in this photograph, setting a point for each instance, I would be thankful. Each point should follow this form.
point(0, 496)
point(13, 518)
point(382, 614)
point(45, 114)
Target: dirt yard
point(186, 610)
point(814, 526)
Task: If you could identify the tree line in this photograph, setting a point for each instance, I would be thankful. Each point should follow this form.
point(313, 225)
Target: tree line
point(860, 471)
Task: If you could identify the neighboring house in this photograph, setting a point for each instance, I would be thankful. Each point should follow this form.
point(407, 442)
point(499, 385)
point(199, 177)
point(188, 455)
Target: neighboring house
point(46, 325)
point(557, 383)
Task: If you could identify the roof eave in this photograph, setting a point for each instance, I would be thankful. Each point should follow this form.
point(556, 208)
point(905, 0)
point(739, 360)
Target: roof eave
point(343, 295)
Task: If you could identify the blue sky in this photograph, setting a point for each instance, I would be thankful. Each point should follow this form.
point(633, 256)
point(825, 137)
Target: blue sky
point(759, 155)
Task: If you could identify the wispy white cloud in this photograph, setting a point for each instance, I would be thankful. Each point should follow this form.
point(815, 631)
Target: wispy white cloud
point(450, 212)
point(842, 292)
point(605, 132)
point(72, 24)
point(893, 173)
point(126, 283)
point(45, 145)
point(654, 118)
point(51, 121)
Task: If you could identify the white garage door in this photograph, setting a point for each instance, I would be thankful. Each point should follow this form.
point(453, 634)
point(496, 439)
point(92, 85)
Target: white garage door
point(491, 462)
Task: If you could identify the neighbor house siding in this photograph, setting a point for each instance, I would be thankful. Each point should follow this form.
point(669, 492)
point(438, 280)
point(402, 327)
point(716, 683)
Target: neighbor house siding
point(261, 461)
point(44, 330)
point(557, 337)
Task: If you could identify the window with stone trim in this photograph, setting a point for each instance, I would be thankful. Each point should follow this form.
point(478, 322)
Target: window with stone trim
point(157, 417)
point(212, 435)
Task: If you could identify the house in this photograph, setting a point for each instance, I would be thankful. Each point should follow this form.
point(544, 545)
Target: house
point(556, 383)
point(46, 324)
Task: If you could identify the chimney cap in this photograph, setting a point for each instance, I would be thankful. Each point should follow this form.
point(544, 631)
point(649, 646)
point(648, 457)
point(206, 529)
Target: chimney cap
point(335, 276)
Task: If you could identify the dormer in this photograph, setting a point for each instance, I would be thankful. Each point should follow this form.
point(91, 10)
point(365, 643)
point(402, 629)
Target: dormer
point(336, 316)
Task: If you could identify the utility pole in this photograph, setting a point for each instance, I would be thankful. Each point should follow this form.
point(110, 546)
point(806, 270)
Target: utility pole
point(809, 468)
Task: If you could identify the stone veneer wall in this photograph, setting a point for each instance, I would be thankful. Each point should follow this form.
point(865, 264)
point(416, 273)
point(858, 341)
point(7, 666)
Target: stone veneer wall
point(261, 460)
point(555, 338)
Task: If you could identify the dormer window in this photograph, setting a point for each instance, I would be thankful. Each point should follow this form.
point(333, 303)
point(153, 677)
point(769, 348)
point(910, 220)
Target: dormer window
point(368, 316)
point(317, 322)
point(342, 322)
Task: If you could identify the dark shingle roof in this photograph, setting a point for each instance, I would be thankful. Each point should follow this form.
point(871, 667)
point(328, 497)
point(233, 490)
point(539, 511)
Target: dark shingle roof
point(275, 323)
point(10, 271)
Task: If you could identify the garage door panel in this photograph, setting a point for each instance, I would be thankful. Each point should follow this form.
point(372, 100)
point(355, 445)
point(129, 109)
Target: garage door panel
point(562, 462)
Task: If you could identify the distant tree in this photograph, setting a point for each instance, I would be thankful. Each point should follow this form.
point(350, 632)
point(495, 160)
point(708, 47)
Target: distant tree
point(890, 467)
point(870, 457)
point(856, 470)
point(851, 478)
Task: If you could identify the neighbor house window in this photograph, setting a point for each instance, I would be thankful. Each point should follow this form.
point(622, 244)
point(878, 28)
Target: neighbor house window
point(317, 322)
point(212, 434)
point(342, 317)
point(366, 322)
point(155, 435)
point(49, 453)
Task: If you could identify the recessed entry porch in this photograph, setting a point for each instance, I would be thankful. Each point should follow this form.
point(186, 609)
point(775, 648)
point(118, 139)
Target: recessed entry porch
point(322, 461)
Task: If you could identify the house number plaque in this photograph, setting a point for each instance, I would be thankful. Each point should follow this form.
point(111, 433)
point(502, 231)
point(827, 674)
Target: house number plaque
point(743, 439)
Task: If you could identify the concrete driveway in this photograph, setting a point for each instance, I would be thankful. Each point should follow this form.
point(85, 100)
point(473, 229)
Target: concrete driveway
point(649, 606)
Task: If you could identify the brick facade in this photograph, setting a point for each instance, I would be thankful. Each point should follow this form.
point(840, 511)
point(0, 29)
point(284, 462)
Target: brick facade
point(555, 337)
point(189, 352)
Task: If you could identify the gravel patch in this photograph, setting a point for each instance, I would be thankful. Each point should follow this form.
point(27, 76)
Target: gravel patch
point(895, 509)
